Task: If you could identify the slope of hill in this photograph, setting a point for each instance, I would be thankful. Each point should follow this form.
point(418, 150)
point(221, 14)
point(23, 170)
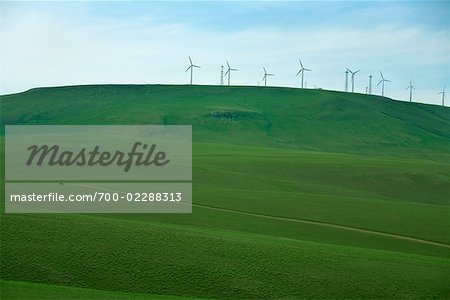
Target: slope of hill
point(297, 194)
point(294, 118)
point(29, 291)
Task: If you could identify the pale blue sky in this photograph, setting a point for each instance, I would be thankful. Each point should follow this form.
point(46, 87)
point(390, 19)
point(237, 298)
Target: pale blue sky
point(60, 43)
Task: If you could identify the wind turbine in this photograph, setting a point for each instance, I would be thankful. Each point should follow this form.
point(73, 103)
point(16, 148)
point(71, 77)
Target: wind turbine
point(353, 78)
point(370, 85)
point(191, 67)
point(410, 87)
point(382, 81)
point(302, 70)
point(265, 76)
point(443, 95)
point(229, 72)
point(346, 80)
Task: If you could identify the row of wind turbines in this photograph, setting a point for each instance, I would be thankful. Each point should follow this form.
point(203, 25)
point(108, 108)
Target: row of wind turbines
point(369, 88)
point(302, 71)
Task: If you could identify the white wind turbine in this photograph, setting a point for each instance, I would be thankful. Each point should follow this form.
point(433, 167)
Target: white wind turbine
point(410, 87)
point(353, 78)
point(302, 70)
point(265, 76)
point(443, 95)
point(191, 67)
point(229, 72)
point(382, 81)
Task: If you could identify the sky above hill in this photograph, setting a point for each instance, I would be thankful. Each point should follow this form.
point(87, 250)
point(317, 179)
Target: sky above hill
point(68, 43)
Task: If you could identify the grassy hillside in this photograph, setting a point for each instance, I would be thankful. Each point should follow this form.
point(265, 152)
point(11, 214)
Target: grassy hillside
point(290, 118)
point(297, 194)
point(147, 257)
point(28, 290)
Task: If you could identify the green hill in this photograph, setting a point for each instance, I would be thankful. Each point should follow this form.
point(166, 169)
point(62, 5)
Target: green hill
point(297, 194)
point(293, 118)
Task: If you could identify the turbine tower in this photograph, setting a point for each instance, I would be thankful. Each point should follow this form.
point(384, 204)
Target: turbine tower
point(382, 81)
point(191, 67)
point(229, 72)
point(265, 76)
point(302, 70)
point(221, 75)
point(410, 87)
point(346, 80)
point(443, 95)
point(370, 85)
point(353, 78)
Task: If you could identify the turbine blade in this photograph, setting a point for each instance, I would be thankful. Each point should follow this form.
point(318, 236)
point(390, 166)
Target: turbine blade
point(381, 75)
point(188, 68)
point(264, 70)
point(307, 70)
point(379, 82)
point(264, 77)
point(228, 71)
point(234, 69)
point(357, 71)
point(387, 80)
point(349, 70)
point(270, 74)
point(196, 66)
point(300, 63)
point(228, 65)
point(299, 72)
point(190, 60)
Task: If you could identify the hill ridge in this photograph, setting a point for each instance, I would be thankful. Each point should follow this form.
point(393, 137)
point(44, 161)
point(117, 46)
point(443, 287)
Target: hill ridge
point(318, 120)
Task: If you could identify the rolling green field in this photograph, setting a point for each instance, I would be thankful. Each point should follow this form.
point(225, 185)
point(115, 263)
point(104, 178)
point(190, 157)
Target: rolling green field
point(297, 194)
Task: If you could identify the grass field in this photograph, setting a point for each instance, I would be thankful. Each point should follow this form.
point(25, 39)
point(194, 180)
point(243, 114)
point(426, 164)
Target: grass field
point(297, 194)
point(28, 290)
